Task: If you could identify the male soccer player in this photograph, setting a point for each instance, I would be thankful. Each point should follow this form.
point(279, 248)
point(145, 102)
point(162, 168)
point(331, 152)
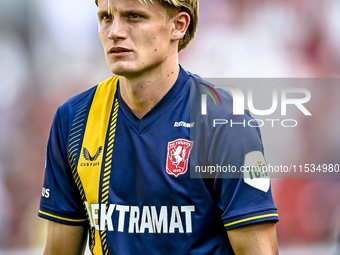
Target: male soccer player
point(121, 155)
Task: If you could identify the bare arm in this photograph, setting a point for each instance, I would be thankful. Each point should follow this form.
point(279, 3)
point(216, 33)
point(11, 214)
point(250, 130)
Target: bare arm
point(65, 240)
point(255, 239)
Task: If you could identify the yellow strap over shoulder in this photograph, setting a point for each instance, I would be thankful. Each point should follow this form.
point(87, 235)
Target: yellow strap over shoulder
point(92, 152)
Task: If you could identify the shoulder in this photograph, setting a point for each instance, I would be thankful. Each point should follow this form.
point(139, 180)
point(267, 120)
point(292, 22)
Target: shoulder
point(212, 105)
point(84, 99)
point(208, 101)
point(77, 102)
point(78, 106)
point(66, 113)
point(216, 124)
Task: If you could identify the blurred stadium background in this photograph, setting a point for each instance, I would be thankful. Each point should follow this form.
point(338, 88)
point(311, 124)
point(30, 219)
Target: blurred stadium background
point(50, 50)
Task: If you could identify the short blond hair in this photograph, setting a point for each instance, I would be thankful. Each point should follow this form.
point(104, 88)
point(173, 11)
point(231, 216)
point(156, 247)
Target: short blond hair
point(173, 7)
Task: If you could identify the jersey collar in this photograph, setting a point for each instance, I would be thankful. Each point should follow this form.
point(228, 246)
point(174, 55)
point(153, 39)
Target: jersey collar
point(164, 104)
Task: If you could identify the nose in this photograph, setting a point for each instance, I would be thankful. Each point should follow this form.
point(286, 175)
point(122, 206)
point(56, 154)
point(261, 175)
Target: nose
point(117, 30)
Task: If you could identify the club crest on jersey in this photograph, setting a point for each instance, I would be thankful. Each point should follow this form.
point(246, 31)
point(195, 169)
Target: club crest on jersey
point(178, 156)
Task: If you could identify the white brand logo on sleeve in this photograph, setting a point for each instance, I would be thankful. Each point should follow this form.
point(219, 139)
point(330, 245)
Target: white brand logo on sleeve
point(45, 192)
point(184, 124)
point(255, 174)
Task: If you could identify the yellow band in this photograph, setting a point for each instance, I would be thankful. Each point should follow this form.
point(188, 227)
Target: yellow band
point(61, 218)
point(251, 218)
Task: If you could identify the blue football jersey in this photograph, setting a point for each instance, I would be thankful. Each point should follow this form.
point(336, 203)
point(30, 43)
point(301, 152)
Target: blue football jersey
point(142, 185)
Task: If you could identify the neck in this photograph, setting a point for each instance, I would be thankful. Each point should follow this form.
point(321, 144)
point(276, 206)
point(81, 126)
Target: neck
point(142, 93)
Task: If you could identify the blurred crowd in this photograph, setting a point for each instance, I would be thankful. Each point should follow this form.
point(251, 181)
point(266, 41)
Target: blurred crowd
point(50, 50)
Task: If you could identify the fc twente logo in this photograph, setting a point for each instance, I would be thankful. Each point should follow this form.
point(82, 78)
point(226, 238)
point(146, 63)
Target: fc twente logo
point(88, 156)
point(178, 157)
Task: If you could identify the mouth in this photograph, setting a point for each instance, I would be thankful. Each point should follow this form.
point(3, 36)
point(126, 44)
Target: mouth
point(119, 51)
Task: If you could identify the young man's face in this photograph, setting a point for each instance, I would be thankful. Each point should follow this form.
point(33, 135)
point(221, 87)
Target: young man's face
point(136, 38)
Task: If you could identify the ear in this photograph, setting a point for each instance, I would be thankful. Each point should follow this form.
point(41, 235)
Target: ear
point(180, 25)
